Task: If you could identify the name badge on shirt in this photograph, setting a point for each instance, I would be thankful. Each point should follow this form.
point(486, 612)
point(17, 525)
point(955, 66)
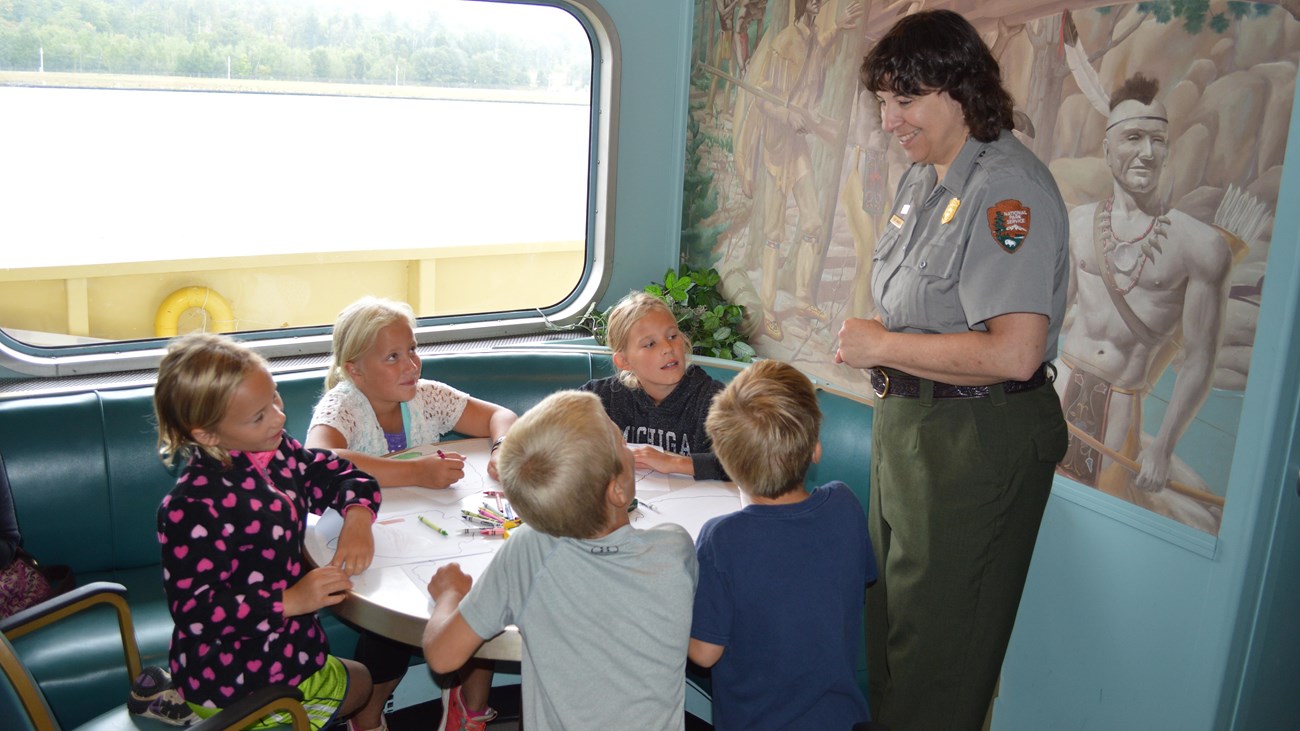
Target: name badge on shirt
point(896, 220)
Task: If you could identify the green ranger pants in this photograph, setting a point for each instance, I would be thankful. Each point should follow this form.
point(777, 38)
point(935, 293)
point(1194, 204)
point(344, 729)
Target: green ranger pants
point(958, 489)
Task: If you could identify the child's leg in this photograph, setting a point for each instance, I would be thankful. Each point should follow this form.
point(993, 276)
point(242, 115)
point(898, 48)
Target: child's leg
point(375, 704)
point(359, 691)
point(387, 660)
point(475, 684)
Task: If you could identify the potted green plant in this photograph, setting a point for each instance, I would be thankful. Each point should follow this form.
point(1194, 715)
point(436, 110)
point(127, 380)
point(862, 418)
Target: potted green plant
point(709, 321)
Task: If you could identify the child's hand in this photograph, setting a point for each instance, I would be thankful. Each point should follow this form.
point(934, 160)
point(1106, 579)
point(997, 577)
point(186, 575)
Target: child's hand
point(448, 639)
point(435, 471)
point(322, 587)
point(648, 457)
point(449, 578)
point(356, 542)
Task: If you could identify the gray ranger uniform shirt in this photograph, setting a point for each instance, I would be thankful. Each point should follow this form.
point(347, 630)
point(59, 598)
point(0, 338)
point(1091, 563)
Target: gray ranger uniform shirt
point(990, 239)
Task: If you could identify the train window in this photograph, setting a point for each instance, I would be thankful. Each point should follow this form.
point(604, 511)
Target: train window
point(254, 165)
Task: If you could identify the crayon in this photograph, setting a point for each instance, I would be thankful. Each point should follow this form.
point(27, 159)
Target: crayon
point(430, 523)
point(484, 531)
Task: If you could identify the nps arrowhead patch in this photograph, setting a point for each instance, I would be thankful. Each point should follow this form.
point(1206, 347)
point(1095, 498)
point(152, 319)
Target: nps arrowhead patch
point(1009, 224)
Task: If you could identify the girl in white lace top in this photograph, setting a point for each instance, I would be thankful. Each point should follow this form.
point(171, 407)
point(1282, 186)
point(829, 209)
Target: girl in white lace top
point(376, 403)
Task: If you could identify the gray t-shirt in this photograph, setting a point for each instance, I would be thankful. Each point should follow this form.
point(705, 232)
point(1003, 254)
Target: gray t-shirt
point(605, 625)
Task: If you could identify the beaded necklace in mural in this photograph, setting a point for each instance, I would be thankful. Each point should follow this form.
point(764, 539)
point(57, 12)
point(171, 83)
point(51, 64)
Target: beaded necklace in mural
point(1126, 257)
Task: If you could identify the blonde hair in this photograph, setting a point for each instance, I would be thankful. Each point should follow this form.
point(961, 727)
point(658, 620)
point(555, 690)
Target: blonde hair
point(764, 428)
point(557, 462)
point(623, 316)
point(196, 380)
point(357, 327)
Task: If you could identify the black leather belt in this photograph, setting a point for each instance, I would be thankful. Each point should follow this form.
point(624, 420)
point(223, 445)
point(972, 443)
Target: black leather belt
point(890, 382)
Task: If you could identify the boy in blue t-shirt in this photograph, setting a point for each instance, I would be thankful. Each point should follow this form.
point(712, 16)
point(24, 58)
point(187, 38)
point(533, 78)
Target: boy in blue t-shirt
point(782, 583)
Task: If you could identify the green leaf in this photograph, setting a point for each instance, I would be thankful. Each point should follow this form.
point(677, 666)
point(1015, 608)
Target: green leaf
point(705, 317)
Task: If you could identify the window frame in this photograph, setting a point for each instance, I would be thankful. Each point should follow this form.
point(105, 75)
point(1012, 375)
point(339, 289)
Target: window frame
point(32, 361)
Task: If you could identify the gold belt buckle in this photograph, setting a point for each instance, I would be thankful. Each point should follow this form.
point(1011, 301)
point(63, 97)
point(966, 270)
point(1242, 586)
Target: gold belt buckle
point(881, 392)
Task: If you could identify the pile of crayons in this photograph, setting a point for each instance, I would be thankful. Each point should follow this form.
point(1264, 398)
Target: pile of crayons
point(491, 521)
point(487, 520)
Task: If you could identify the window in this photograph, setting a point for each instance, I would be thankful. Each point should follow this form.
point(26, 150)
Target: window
point(255, 165)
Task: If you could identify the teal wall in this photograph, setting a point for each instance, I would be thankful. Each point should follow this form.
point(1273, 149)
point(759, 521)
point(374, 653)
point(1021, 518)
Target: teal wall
point(656, 41)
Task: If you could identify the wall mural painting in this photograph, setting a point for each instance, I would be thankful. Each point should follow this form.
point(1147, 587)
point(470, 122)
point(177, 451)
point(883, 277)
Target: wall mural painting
point(1165, 125)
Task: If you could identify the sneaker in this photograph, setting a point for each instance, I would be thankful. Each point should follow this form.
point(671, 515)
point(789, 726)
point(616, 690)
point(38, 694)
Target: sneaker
point(456, 717)
point(152, 696)
point(352, 725)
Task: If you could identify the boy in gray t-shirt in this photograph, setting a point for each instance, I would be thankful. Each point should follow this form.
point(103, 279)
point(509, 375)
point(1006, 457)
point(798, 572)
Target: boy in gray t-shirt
point(604, 609)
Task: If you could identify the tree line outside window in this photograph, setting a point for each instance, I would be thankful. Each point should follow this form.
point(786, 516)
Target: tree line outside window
point(284, 41)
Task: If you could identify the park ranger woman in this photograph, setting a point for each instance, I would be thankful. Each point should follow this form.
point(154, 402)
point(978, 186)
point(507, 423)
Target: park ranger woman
point(969, 279)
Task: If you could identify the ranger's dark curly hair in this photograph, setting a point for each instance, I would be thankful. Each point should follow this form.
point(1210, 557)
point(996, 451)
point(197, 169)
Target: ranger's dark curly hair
point(938, 50)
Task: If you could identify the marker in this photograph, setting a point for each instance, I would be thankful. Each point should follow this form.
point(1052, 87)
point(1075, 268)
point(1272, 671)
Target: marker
point(430, 523)
point(639, 503)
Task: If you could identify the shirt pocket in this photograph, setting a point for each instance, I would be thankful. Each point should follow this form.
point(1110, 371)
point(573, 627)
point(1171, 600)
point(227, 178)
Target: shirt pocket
point(935, 267)
point(886, 244)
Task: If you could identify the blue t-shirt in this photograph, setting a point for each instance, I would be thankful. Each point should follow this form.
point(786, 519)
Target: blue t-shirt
point(782, 588)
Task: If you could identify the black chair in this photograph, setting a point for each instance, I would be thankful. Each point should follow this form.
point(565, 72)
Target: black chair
point(23, 705)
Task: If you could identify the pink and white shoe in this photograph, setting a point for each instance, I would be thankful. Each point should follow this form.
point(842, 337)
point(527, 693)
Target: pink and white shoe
point(456, 717)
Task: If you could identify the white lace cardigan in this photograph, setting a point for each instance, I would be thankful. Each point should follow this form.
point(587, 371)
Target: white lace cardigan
point(433, 412)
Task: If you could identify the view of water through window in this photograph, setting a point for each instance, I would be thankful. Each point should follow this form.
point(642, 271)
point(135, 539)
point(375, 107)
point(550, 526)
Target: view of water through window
point(284, 157)
point(108, 176)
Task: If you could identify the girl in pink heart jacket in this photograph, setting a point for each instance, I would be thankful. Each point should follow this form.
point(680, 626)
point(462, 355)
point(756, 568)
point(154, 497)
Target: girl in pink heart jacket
point(232, 532)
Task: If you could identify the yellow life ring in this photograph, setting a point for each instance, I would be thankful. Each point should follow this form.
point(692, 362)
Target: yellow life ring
point(167, 322)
